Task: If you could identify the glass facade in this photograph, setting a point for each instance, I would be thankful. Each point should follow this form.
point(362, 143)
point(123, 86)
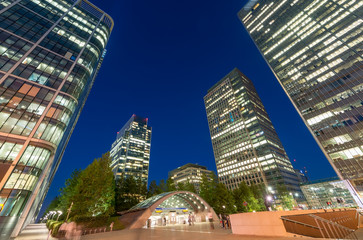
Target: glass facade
point(314, 48)
point(328, 193)
point(168, 208)
point(191, 173)
point(245, 144)
point(50, 52)
point(130, 152)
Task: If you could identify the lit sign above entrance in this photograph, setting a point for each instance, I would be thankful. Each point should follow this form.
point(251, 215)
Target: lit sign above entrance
point(170, 209)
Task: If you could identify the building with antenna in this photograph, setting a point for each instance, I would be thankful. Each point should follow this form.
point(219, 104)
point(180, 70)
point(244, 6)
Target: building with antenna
point(130, 152)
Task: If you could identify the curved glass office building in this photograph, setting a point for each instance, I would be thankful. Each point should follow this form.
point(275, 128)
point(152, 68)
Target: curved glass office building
point(50, 53)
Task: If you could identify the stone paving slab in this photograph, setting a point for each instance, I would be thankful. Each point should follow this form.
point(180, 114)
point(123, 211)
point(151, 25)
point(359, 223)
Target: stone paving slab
point(34, 232)
point(200, 231)
point(359, 233)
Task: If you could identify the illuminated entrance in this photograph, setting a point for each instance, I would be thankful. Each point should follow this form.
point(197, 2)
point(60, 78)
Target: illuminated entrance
point(174, 210)
point(167, 208)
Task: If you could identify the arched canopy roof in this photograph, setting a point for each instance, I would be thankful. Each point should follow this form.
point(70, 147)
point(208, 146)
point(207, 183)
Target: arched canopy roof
point(166, 200)
point(174, 199)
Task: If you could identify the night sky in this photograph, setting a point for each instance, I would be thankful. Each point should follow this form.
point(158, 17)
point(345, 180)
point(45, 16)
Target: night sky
point(162, 58)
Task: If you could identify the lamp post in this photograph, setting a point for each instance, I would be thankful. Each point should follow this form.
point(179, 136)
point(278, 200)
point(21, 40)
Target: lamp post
point(51, 214)
point(59, 213)
point(69, 211)
point(268, 202)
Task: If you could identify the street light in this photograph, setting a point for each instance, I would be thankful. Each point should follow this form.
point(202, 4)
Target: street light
point(59, 213)
point(51, 214)
point(270, 190)
point(268, 202)
point(69, 211)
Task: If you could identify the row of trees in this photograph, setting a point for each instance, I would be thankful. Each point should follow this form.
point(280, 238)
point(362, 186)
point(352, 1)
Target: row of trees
point(243, 199)
point(94, 192)
point(169, 186)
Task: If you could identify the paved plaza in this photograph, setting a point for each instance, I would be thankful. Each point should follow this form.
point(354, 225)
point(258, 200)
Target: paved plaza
point(34, 232)
point(199, 231)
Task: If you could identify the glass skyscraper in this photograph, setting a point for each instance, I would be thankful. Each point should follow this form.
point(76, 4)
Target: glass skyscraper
point(130, 152)
point(314, 48)
point(245, 144)
point(50, 53)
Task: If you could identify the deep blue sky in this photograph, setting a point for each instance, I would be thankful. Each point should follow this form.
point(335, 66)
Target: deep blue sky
point(162, 58)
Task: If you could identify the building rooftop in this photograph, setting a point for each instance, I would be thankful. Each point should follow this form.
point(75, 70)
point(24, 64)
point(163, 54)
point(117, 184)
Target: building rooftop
point(321, 180)
point(250, 4)
point(224, 78)
point(134, 118)
point(188, 165)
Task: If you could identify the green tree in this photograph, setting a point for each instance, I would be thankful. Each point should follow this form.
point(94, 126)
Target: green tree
point(162, 187)
point(224, 201)
point(189, 187)
point(128, 193)
point(119, 194)
point(68, 192)
point(208, 188)
point(170, 185)
point(245, 199)
point(95, 191)
point(259, 192)
point(181, 186)
point(141, 188)
point(153, 189)
point(284, 197)
point(216, 194)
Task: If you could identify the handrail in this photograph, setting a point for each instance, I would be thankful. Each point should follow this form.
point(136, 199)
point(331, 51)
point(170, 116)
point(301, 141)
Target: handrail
point(331, 222)
point(305, 224)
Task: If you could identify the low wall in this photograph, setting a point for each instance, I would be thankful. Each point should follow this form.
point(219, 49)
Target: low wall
point(263, 223)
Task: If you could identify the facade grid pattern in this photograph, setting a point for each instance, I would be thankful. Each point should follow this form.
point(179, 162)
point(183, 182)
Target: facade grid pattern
point(314, 48)
point(245, 144)
point(191, 173)
point(50, 52)
point(130, 152)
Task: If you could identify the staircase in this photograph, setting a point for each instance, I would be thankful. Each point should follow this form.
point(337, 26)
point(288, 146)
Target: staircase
point(340, 224)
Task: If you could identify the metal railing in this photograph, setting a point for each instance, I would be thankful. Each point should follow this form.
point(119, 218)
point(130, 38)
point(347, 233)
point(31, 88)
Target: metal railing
point(302, 228)
point(316, 226)
point(330, 229)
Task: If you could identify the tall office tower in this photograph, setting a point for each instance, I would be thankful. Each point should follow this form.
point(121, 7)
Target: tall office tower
point(191, 173)
point(50, 52)
point(245, 144)
point(314, 48)
point(130, 152)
